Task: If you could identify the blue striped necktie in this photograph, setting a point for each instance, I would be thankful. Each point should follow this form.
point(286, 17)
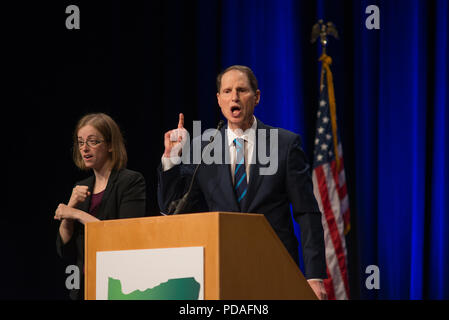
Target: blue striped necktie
point(240, 183)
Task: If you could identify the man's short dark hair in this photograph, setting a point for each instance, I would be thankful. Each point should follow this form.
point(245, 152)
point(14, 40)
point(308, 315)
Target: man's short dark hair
point(246, 70)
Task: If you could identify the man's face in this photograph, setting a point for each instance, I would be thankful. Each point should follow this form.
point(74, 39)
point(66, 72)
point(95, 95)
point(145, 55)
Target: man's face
point(237, 100)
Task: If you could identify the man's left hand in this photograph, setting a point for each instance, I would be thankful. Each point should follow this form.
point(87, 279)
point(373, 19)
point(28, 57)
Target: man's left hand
point(318, 287)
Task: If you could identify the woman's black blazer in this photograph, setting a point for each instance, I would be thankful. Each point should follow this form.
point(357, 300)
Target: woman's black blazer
point(124, 197)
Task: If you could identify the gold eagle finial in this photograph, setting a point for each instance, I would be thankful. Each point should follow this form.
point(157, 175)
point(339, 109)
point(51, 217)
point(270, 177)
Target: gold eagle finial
point(322, 30)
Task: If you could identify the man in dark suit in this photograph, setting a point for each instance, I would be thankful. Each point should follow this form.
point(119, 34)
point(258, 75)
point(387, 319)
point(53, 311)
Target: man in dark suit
point(242, 182)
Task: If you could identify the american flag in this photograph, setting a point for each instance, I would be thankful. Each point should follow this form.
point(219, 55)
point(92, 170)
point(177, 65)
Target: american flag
point(329, 186)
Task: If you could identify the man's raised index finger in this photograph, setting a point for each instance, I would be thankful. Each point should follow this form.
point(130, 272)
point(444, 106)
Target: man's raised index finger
point(181, 121)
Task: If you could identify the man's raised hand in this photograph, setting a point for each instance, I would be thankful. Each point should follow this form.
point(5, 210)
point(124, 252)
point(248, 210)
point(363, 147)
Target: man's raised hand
point(175, 139)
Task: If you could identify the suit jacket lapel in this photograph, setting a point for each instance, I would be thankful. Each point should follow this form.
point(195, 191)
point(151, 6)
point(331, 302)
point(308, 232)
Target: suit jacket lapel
point(101, 214)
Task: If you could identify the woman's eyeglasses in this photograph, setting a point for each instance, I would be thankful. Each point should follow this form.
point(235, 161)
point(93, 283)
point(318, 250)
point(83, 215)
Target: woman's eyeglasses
point(90, 143)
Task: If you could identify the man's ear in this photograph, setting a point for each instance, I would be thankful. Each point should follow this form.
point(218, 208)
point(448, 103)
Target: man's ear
point(218, 100)
point(257, 96)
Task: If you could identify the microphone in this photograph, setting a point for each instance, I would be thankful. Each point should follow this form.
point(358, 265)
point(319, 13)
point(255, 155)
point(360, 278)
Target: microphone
point(179, 205)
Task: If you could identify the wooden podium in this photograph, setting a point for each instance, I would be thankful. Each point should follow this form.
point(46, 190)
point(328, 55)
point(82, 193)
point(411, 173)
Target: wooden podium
point(243, 257)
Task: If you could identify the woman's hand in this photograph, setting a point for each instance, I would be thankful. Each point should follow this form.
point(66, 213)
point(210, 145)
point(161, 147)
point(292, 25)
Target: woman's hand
point(65, 212)
point(79, 195)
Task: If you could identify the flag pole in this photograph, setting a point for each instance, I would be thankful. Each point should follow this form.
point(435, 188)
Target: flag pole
point(329, 182)
point(322, 30)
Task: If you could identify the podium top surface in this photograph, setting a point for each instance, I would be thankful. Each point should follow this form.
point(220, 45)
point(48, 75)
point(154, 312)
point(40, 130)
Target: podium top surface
point(183, 216)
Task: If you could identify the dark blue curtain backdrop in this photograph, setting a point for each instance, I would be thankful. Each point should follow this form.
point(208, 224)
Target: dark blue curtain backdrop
point(144, 62)
point(401, 147)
